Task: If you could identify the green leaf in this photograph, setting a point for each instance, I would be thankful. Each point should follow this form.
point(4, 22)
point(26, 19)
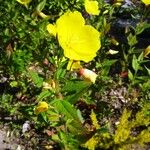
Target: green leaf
point(80, 115)
point(70, 115)
point(75, 86)
point(131, 40)
point(61, 71)
point(106, 66)
point(41, 6)
point(135, 63)
point(13, 83)
point(38, 81)
point(130, 75)
point(141, 27)
point(141, 57)
point(75, 89)
point(148, 70)
point(146, 85)
point(44, 94)
point(65, 108)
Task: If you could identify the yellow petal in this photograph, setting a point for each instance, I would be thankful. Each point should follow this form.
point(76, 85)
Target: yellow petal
point(83, 44)
point(52, 29)
point(147, 51)
point(92, 7)
point(70, 19)
point(24, 2)
point(88, 75)
point(146, 2)
point(73, 65)
point(41, 107)
point(79, 41)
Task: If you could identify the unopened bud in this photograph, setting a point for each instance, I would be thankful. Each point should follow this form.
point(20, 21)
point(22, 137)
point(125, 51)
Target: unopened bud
point(88, 75)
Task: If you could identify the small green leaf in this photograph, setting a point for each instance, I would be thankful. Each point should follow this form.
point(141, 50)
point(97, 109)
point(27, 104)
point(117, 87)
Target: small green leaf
point(135, 63)
point(38, 81)
point(80, 115)
point(13, 83)
point(75, 86)
point(41, 6)
point(70, 115)
point(106, 66)
point(148, 70)
point(131, 40)
point(141, 27)
point(65, 108)
point(75, 89)
point(44, 94)
point(130, 75)
point(141, 57)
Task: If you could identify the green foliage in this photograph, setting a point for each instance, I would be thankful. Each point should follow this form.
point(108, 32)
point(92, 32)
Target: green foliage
point(123, 130)
point(123, 135)
point(70, 115)
point(123, 138)
point(38, 81)
point(74, 92)
point(81, 113)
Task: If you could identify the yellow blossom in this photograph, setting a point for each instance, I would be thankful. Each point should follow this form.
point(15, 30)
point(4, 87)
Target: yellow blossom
point(146, 2)
point(79, 41)
point(88, 75)
point(73, 65)
point(52, 29)
point(41, 107)
point(24, 2)
point(91, 6)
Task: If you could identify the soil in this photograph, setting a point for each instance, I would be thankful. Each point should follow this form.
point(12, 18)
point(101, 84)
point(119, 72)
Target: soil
point(8, 141)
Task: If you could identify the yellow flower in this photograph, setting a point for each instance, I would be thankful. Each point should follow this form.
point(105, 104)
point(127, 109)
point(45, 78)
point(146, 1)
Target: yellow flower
point(146, 2)
point(41, 107)
point(73, 65)
point(24, 2)
point(88, 75)
point(79, 41)
point(91, 6)
point(52, 29)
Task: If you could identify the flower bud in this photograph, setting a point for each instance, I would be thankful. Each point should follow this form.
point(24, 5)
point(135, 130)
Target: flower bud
point(88, 75)
point(41, 107)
